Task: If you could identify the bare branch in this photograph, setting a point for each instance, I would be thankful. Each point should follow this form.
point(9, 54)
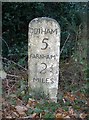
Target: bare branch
point(13, 75)
point(5, 43)
point(14, 63)
point(65, 43)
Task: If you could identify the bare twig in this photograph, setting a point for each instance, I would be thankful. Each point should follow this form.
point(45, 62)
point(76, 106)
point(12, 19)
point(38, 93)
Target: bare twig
point(61, 75)
point(5, 43)
point(13, 75)
point(14, 63)
point(64, 43)
point(82, 87)
point(7, 84)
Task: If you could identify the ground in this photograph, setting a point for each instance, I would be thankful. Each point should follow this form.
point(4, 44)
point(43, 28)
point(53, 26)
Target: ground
point(73, 102)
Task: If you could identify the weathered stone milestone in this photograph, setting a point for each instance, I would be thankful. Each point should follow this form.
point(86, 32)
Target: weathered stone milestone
point(43, 56)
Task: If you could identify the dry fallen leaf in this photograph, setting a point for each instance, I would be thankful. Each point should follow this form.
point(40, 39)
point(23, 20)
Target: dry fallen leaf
point(80, 95)
point(21, 110)
point(65, 114)
point(83, 115)
point(34, 115)
point(31, 103)
point(0, 114)
point(71, 111)
point(16, 114)
point(1, 99)
point(19, 102)
point(59, 116)
point(67, 117)
point(70, 97)
point(9, 117)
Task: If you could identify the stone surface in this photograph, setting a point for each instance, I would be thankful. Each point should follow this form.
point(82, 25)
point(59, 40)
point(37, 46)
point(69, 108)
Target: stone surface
point(43, 56)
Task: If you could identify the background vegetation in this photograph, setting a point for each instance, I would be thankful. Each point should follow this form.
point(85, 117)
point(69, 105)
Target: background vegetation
point(72, 18)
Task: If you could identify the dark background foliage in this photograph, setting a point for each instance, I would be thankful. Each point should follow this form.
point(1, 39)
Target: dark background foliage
point(16, 17)
point(74, 69)
point(71, 16)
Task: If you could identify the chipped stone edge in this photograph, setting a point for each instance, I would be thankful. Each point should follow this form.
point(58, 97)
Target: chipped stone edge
point(44, 18)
